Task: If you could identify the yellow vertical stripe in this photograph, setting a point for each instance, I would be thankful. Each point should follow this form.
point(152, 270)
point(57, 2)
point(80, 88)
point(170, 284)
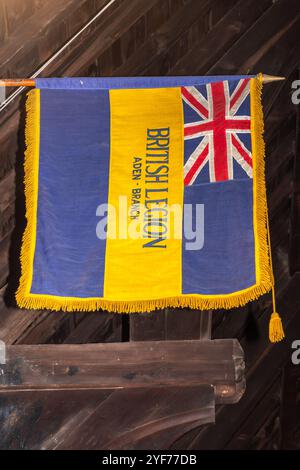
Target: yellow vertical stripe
point(143, 251)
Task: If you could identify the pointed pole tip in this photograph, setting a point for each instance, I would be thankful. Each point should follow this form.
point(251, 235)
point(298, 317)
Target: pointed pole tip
point(271, 78)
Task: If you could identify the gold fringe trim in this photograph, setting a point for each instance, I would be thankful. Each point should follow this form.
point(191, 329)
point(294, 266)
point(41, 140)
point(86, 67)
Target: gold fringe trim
point(27, 300)
point(197, 302)
point(31, 193)
point(265, 277)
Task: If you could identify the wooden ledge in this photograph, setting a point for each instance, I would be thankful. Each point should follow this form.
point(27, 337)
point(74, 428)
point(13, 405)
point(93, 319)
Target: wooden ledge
point(132, 365)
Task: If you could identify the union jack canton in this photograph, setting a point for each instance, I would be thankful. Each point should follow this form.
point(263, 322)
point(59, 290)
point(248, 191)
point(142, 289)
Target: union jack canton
point(217, 132)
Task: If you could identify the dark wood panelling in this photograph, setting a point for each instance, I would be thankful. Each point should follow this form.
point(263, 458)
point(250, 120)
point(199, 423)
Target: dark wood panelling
point(199, 59)
point(3, 24)
point(28, 423)
point(50, 420)
point(154, 417)
point(167, 33)
point(294, 252)
point(166, 37)
point(290, 407)
point(109, 30)
point(16, 13)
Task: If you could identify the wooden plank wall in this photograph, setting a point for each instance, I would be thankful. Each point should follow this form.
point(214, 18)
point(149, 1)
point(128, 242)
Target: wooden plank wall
point(158, 38)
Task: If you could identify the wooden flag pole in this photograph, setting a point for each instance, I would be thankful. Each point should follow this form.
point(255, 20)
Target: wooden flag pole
point(7, 82)
point(28, 82)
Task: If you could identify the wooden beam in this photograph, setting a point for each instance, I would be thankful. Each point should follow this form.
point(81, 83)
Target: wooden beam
point(126, 365)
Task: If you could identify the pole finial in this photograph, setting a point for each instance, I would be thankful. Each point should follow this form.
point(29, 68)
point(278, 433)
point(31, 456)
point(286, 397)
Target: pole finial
point(271, 78)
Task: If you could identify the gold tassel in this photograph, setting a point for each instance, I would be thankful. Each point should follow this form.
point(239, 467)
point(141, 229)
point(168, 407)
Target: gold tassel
point(276, 332)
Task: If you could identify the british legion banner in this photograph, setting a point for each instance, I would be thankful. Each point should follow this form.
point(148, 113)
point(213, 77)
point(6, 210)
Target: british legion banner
point(144, 193)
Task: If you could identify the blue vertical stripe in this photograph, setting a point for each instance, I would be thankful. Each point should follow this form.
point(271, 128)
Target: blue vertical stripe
point(73, 180)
